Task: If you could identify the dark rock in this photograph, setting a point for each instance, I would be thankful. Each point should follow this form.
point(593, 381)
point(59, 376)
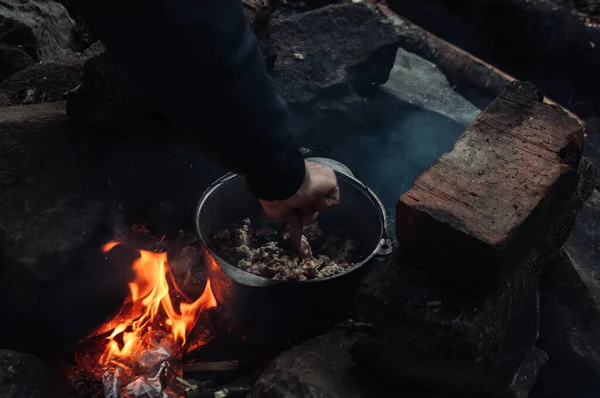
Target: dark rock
point(542, 39)
point(13, 60)
point(571, 301)
point(322, 368)
point(498, 191)
point(327, 57)
point(421, 83)
point(256, 11)
point(583, 252)
point(42, 179)
point(24, 375)
point(94, 50)
point(4, 100)
point(592, 149)
point(572, 344)
point(63, 194)
point(527, 375)
point(439, 330)
point(436, 330)
point(107, 98)
point(43, 29)
point(48, 81)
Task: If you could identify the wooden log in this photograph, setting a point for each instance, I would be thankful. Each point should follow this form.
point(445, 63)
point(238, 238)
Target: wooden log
point(222, 366)
point(457, 64)
point(481, 208)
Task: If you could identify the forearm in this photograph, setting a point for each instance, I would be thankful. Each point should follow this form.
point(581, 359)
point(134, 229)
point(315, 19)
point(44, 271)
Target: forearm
point(201, 65)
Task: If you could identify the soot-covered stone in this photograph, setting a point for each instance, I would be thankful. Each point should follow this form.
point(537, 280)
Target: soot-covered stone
point(331, 52)
point(43, 29)
point(435, 328)
point(24, 375)
point(13, 60)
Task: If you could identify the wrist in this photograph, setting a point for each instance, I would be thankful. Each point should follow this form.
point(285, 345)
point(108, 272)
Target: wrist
point(278, 181)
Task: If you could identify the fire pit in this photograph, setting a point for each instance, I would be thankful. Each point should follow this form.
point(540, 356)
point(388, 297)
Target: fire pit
point(138, 352)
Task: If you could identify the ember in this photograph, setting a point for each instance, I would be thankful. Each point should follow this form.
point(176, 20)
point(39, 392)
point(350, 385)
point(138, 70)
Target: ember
point(148, 334)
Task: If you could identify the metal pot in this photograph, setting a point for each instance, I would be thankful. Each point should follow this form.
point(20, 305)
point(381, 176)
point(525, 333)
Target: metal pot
point(360, 215)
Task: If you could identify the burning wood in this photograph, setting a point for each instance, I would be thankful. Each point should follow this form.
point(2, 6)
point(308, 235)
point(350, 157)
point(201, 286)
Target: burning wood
point(148, 335)
point(221, 366)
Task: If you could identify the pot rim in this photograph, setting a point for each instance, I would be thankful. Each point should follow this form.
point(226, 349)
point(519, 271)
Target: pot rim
point(246, 278)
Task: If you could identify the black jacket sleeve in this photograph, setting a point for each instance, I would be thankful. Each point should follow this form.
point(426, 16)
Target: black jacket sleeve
point(200, 63)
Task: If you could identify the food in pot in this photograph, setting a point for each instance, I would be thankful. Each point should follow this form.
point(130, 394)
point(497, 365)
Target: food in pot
point(261, 247)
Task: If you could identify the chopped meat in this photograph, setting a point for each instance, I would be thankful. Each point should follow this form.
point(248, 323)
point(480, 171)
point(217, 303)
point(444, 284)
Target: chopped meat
point(261, 248)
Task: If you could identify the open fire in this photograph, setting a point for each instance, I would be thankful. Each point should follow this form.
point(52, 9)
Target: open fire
point(148, 335)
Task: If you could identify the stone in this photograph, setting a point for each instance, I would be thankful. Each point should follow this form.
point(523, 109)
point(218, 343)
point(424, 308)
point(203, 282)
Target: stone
point(322, 368)
point(572, 344)
point(592, 149)
point(571, 300)
point(481, 207)
point(528, 373)
point(24, 375)
point(256, 11)
point(421, 83)
point(330, 53)
point(42, 28)
point(44, 213)
point(583, 252)
point(4, 100)
point(13, 60)
point(437, 330)
point(48, 81)
point(63, 194)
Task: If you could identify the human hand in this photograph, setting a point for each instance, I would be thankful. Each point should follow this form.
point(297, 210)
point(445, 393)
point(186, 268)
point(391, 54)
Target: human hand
point(319, 191)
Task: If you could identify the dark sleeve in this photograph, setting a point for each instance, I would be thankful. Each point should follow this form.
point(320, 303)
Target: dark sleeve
point(200, 63)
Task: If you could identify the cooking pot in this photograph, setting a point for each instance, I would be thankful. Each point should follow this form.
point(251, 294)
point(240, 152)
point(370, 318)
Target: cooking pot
point(286, 305)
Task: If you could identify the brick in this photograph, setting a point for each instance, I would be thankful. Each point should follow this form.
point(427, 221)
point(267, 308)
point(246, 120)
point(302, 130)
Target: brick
point(482, 207)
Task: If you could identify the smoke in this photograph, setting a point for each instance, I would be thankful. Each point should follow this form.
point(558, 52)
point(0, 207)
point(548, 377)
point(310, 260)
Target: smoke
point(392, 148)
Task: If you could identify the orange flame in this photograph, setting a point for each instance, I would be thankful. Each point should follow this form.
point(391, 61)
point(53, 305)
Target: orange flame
point(150, 295)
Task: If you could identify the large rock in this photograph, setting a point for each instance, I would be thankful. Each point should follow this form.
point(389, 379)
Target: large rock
point(256, 11)
point(572, 343)
point(421, 83)
point(528, 374)
point(322, 368)
point(482, 207)
point(13, 60)
point(592, 148)
point(4, 100)
point(435, 328)
point(43, 176)
point(63, 194)
point(583, 251)
point(570, 327)
point(327, 54)
point(48, 81)
point(42, 28)
point(25, 376)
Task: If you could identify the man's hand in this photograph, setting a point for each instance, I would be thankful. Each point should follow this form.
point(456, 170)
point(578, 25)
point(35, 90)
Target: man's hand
point(318, 192)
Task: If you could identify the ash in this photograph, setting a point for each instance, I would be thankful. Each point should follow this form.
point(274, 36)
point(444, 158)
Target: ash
point(262, 248)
